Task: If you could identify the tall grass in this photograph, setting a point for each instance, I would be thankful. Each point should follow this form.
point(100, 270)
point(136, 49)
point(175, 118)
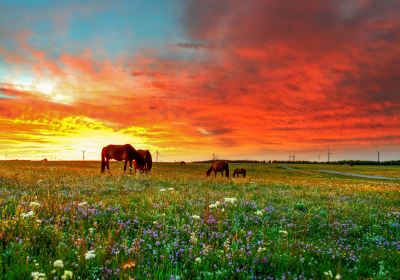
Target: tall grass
point(282, 225)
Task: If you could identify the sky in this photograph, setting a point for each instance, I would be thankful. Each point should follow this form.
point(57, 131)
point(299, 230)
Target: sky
point(257, 79)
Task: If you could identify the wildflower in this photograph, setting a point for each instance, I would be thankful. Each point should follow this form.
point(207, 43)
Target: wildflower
point(90, 255)
point(283, 232)
point(195, 217)
point(34, 204)
point(162, 190)
point(129, 265)
point(193, 238)
point(338, 277)
point(170, 189)
point(259, 213)
point(198, 260)
point(214, 205)
point(58, 264)
point(328, 274)
point(261, 249)
point(82, 204)
point(27, 215)
point(38, 275)
point(67, 275)
point(91, 230)
point(230, 199)
point(155, 223)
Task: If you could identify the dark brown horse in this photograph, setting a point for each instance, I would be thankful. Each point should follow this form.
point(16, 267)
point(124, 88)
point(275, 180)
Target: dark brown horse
point(121, 152)
point(219, 166)
point(238, 171)
point(148, 162)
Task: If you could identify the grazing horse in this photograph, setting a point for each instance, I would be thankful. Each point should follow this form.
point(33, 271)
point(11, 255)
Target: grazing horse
point(120, 152)
point(182, 162)
point(148, 162)
point(238, 171)
point(219, 166)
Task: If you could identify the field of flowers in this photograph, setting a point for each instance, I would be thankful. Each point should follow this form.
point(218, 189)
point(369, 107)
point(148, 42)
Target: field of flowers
point(66, 221)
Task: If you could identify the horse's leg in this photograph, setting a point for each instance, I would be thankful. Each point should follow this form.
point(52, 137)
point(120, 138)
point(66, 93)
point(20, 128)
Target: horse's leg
point(130, 167)
point(215, 173)
point(108, 164)
point(125, 165)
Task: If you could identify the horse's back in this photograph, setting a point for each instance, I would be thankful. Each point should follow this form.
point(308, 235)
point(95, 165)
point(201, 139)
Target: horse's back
point(117, 152)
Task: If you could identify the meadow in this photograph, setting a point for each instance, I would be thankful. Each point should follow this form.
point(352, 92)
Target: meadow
point(63, 220)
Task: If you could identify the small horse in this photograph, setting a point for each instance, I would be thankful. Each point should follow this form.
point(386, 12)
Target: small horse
point(238, 171)
point(148, 162)
point(121, 152)
point(218, 166)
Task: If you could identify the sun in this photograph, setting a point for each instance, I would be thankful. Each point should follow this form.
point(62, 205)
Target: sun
point(45, 88)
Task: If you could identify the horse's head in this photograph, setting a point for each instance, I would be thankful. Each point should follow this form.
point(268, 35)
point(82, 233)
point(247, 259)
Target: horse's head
point(208, 172)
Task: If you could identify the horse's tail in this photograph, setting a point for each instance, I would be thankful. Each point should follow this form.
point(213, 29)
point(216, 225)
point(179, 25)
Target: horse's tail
point(103, 160)
point(227, 170)
point(149, 161)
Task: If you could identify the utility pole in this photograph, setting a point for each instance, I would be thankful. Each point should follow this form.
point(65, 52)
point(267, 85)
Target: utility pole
point(157, 156)
point(83, 155)
point(329, 155)
point(378, 153)
point(319, 158)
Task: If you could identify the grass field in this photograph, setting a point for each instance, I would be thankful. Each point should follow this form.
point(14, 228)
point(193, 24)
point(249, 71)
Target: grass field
point(63, 220)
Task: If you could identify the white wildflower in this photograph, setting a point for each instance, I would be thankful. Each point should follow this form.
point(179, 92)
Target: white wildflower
point(58, 264)
point(171, 189)
point(198, 260)
point(261, 249)
point(27, 215)
point(196, 217)
point(230, 199)
point(38, 275)
point(89, 255)
point(162, 190)
point(283, 232)
point(338, 277)
point(91, 230)
point(259, 212)
point(34, 204)
point(82, 204)
point(214, 205)
point(67, 275)
point(328, 274)
point(193, 238)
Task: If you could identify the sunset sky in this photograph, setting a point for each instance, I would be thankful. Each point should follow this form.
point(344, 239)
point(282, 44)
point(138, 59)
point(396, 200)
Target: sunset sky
point(242, 79)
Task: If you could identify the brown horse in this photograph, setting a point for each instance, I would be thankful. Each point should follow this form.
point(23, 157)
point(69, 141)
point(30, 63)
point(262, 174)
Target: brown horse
point(148, 162)
point(120, 152)
point(238, 171)
point(219, 166)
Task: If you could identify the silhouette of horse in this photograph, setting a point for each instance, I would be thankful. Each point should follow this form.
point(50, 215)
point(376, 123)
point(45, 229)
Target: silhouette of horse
point(238, 171)
point(219, 166)
point(148, 161)
point(182, 162)
point(120, 152)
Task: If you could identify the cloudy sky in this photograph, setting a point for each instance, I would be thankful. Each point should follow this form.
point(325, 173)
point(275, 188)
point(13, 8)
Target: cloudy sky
point(242, 79)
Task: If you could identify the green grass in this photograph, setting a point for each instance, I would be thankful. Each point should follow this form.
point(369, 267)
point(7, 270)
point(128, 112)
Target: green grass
point(284, 223)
